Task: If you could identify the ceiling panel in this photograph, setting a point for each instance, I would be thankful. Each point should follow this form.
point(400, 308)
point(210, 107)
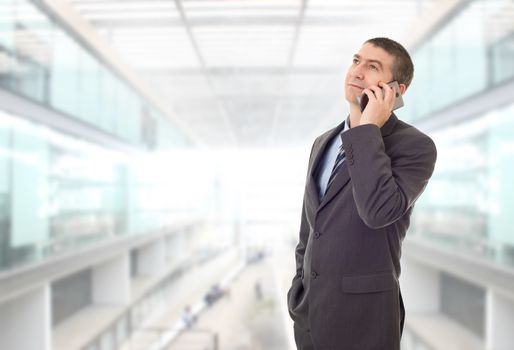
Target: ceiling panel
point(249, 73)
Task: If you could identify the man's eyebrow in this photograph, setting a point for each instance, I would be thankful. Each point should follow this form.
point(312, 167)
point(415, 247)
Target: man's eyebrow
point(374, 61)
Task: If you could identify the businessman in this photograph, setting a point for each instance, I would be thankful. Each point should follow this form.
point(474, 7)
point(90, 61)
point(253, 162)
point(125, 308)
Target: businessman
point(363, 179)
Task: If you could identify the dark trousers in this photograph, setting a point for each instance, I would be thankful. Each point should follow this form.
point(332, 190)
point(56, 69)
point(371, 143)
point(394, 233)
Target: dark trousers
point(302, 339)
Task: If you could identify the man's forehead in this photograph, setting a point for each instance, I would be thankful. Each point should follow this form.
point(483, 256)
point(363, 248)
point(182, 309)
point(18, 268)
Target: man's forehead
point(373, 53)
point(370, 52)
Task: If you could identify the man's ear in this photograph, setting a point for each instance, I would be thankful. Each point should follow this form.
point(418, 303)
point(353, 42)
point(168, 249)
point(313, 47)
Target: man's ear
point(403, 88)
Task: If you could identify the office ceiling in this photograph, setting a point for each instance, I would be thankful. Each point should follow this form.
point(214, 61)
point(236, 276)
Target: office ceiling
point(249, 73)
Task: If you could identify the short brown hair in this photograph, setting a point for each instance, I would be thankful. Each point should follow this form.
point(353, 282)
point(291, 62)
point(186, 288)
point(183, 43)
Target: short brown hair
point(403, 68)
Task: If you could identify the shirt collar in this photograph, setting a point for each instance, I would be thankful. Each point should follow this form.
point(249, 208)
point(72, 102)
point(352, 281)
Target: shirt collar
point(346, 124)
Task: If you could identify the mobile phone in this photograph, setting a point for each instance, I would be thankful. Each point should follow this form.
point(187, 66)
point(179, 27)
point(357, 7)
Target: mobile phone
point(398, 101)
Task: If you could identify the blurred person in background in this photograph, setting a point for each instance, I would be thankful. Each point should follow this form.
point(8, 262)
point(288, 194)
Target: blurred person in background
point(363, 179)
point(188, 318)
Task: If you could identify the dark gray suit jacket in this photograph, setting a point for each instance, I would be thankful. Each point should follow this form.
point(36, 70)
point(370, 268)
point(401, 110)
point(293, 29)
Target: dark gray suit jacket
point(346, 291)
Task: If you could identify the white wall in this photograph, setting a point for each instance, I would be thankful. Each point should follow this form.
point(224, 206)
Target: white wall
point(25, 322)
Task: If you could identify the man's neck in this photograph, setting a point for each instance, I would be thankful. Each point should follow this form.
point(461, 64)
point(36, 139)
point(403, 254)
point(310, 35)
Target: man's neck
point(355, 114)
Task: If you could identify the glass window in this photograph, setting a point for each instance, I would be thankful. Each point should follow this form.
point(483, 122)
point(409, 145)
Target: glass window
point(64, 80)
point(440, 90)
point(469, 54)
point(5, 194)
point(56, 192)
point(470, 73)
point(468, 203)
point(85, 183)
point(7, 29)
point(29, 187)
point(108, 101)
point(124, 116)
point(7, 13)
point(416, 96)
point(500, 183)
point(32, 46)
point(89, 88)
point(502, 53)
point(42, 61)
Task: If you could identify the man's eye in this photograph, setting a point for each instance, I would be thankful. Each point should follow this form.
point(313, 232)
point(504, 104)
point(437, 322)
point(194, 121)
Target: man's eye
point(355, 61)
point(373, 67)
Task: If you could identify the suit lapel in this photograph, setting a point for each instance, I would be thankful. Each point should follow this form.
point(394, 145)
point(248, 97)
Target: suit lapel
point(343, 176)
point(312, 186)
point(341, 179)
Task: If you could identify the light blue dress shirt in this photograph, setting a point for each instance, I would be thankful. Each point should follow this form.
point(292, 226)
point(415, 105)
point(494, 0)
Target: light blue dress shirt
point(329, 158)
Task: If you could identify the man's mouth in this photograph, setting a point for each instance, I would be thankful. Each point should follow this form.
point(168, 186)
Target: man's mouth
point(356, 86)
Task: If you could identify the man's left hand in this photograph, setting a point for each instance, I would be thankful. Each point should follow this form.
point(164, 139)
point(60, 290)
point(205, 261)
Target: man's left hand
point(380, 105)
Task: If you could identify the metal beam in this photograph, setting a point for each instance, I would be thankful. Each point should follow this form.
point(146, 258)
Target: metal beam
point(226, 21)
point(242, 71)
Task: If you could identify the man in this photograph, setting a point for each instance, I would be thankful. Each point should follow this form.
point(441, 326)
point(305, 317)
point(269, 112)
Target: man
point(356, 208)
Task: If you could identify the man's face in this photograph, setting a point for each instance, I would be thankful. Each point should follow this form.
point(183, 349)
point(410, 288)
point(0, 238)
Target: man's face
point(369, 66)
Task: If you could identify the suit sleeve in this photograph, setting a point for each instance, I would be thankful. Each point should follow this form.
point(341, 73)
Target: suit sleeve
point(302, 243)
point(385, 188)
point(304, 227)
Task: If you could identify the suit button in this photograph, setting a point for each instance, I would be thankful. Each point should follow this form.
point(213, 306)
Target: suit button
point(317, 234)
point(351, 161)
point(314, 274)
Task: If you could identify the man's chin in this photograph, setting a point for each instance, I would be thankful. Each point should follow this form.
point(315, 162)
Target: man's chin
point(352, 99)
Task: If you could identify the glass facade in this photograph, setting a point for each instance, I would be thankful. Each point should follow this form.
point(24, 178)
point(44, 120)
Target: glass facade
point(41, 61)
point(58, 193)
point(467, 204)
point(471, 53)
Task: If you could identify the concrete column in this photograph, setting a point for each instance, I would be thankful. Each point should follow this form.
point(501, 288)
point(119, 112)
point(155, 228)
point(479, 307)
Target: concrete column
point(111, 281)
point(499, 321)
point(420, 285)
point(151, 258)
point(176, 247)
point(25, 322)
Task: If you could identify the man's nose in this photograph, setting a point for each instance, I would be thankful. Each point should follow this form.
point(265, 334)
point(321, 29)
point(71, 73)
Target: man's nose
point(357, 72)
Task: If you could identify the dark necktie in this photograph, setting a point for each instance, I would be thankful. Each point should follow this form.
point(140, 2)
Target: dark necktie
point(337, 164)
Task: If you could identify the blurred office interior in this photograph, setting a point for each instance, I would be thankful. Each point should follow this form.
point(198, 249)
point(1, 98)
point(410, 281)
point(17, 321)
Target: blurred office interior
point(153, 157)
